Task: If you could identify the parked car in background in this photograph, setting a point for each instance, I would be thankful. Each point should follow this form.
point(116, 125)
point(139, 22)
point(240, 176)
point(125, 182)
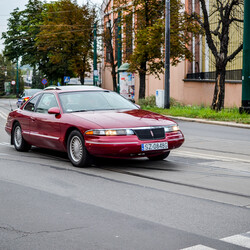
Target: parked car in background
point(87, 121)
point(27, 93)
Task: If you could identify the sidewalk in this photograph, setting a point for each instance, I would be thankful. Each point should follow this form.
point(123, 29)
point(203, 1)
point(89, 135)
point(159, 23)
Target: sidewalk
point(229, 124)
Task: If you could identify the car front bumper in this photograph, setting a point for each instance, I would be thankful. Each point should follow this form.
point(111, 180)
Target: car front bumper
point(129, 146)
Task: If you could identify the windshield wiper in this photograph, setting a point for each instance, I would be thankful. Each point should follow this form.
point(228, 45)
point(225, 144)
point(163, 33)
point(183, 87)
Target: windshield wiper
point(81, 110)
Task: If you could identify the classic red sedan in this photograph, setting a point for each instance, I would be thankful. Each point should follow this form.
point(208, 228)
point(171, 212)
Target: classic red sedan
point(87, 121)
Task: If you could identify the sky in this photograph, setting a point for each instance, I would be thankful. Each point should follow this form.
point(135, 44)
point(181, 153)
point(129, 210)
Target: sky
point(7, 6)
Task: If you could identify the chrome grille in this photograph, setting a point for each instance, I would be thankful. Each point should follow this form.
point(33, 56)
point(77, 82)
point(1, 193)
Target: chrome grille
point(150, 134)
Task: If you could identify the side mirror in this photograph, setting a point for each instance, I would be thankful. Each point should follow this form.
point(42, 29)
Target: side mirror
point(54, 111)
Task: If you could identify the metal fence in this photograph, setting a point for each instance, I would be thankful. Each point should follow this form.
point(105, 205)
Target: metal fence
point(234, 75)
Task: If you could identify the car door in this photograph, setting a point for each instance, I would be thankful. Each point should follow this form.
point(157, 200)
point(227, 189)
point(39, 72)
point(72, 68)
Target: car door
point(27, 114)
point(45, 129)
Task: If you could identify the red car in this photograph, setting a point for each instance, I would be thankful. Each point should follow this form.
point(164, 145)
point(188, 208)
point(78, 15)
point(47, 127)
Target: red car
point(90, 121)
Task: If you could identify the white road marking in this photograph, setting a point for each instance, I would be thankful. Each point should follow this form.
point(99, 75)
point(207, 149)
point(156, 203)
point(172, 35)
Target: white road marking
point(239, 240)
point(3, 115)
point(211, 157)
point(198, 247)
point(242, 240)
point(5, 144)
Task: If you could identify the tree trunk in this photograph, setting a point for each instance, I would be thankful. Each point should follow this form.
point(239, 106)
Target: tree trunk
point(82, 74)
point(219, 89)
point(62, 80)
point(113, 73)
point(82, 77)
point(142, 74)
point(108, 41)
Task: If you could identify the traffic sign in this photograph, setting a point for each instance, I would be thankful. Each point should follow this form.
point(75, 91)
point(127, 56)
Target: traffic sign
point(66, 79)
point(44, 81)
point(13, 82)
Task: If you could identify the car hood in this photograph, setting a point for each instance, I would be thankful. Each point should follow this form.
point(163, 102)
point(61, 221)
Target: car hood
point(125, 119)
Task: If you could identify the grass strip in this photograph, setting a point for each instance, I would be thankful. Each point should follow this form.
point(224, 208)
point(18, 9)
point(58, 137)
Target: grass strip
point(228, 115)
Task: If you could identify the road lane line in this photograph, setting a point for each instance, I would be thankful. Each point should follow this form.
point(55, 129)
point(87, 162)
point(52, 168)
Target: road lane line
point(210, 157)
point(242, 240)
point(198, 247)
point(5, 144)
point(3, 116)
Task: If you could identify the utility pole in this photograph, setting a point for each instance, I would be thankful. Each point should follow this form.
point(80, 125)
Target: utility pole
point(119, 48)
point(95, 72)
point(17, 80)
point(246, 65)
point(167, 55)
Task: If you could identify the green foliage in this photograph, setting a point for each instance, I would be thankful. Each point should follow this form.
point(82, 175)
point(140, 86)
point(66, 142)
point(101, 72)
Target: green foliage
point(54, 37)
point(13, 36)
point(66, 37)
point(148, 101)
point(7, 72)
point(31, 27)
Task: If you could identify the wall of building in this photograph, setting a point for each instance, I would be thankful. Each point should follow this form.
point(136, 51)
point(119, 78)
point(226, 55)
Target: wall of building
point(185, 91)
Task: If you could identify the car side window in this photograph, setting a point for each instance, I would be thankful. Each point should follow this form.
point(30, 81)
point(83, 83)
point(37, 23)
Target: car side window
point(30, 106)
point(46, 102)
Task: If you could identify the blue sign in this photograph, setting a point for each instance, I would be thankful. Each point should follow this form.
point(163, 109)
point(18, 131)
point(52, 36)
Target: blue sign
point(44, 81)
point(66, 79)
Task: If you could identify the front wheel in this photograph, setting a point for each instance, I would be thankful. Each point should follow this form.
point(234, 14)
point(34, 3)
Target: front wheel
point(19, 143)
point(77, 152)
point(159, 157)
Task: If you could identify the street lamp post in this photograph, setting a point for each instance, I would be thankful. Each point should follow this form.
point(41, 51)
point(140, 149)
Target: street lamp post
point(119, 54)
point(95, 73)
point(17, 80)
point(246, 65)
point(167, 55)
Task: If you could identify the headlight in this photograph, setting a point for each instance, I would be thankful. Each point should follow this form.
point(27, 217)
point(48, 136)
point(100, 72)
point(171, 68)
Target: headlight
point(171, 128)
point(110, 132)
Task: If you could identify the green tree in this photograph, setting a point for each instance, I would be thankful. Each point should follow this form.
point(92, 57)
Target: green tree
point(66, 36)
point(148, 55)
point(13, 36)
point(31, 22)
point(55, 38)
point(8, 73)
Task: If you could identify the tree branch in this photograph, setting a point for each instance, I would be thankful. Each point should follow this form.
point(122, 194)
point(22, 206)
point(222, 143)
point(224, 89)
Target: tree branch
point(209, 38)
point(232, 56)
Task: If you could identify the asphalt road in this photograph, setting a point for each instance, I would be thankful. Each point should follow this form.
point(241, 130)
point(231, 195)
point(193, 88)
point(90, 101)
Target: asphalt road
point(199, 198)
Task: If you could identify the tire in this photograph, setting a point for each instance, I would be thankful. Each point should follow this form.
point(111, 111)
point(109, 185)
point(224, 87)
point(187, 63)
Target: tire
point(76, 149)
point(159, 157)
point(19, 143)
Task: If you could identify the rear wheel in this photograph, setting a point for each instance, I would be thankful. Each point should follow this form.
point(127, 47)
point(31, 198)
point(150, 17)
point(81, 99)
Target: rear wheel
point(159, 157)
point(77, 152)
point(19, 143)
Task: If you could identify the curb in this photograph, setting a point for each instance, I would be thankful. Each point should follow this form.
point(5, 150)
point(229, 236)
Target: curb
point(228, 124)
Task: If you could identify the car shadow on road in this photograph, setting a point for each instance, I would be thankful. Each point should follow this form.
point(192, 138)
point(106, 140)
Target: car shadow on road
point(137, 163)
point(109, 163)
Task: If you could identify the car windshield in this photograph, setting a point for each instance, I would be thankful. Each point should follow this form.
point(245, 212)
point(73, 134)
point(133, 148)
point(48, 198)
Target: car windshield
point(93, 100)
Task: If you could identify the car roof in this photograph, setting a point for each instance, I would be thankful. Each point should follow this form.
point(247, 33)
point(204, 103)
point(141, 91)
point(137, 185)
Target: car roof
point(73, 88)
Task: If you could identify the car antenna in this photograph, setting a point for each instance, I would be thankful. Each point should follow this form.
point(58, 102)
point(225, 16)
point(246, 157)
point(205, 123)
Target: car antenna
point(11, 109)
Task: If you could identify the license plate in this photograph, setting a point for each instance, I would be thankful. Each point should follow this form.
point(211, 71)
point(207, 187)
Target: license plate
point(154, 146)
